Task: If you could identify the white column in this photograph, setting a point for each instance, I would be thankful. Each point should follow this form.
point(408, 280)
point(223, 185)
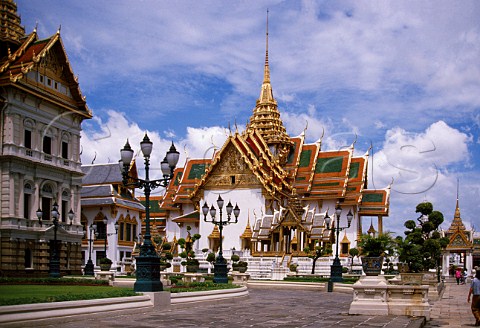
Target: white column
point(469, 262)
point(445, 263)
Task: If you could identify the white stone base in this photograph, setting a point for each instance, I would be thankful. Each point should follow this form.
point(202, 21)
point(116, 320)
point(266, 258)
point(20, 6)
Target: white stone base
point(370, 296)
point(240, 278)
point(278, 273)
point(374, 296)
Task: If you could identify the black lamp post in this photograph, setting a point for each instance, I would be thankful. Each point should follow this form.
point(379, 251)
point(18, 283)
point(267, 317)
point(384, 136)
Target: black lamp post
point(89, 267)
point(54, 264)
point(105, 221)
point(220, 268)
point(336, 267)
point(148, 262)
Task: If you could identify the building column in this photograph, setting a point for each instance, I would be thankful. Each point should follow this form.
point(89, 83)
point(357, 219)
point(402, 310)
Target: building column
point(469, 261)
point(380, 224)
point(445, 263)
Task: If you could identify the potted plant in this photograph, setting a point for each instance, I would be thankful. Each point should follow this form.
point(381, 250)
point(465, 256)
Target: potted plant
point(421, 249)
point(188, 254)
point(235, 258)
point(105, 264)
point(373, 250)
point(242, 266)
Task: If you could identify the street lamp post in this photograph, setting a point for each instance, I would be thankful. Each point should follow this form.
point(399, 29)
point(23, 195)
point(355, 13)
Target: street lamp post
point(336, 267)
point(148, 262)
point(89, 267)
point(105, 221)
point(54, 263)
point(220, 267)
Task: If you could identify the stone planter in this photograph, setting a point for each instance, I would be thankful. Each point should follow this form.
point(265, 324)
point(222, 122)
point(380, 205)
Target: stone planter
point(192, 268)
point(372, 265)
point(411, 278)
point(105, 266)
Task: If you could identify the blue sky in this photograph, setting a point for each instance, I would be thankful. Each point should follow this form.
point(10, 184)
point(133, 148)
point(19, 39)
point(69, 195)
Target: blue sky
point(402, 76)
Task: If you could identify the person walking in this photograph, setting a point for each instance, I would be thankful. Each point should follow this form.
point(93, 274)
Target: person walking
point(475, 290)
point(458, 275)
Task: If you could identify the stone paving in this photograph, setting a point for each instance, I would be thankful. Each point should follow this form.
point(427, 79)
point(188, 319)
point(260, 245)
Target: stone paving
point(452, 310)
point(265, 307)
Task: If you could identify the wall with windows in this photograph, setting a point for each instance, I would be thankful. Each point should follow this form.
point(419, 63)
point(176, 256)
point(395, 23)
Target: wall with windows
point(39, 166)
point(116, 244)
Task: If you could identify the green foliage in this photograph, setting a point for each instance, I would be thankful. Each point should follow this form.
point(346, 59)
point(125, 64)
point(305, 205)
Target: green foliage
point(181, 242)
point(424, 208)
point(28, 294)
point(353, 252)
point(196, 236)
point(242, 264)
point(52, 281)
point(200, 286)
point(211, 257)
point(235, 258)
point(183, 255)
point(166, 246)
point(376, 246)
point(422, 247)
point(105, 260)
point(204, 250)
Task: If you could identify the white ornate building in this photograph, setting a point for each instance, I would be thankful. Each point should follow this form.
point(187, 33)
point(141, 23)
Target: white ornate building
point(41, 112)
point(105, 197)
point(283, 186)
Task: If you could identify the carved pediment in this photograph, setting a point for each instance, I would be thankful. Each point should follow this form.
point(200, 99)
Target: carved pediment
point(232, 171)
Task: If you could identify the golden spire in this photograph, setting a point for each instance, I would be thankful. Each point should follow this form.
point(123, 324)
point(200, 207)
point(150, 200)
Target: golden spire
point(12, 31)
point(266, 72)
point(457, 223)
point(266, 117)
point(371, 230)
point(247, 233)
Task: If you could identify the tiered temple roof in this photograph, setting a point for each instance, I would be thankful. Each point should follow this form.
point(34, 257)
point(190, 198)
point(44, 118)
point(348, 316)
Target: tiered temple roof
point(460, 237)
point(39, 67)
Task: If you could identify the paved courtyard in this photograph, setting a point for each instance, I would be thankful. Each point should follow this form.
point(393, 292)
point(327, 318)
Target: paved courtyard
point(265, 307)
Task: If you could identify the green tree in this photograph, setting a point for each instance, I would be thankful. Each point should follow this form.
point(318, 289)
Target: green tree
point(353, 252)
point(317, 253)
point(422, 246)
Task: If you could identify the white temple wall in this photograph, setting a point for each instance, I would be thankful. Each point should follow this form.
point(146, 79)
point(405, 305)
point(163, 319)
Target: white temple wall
point(249, 201)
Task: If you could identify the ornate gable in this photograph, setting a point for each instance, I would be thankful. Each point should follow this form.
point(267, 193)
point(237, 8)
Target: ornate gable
point(42, 67)
point(231, 172)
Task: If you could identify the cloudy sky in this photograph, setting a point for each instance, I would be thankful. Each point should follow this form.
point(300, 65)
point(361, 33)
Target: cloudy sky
point(400, 76)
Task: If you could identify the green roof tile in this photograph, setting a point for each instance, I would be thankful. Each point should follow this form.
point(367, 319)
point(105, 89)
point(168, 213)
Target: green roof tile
point(329, 165)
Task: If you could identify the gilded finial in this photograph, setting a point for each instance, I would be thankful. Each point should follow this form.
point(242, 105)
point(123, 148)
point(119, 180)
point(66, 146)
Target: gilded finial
point(266, 76)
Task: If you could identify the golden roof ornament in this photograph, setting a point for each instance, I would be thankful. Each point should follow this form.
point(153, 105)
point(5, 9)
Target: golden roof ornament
point(457, 223)
point(266, 117)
